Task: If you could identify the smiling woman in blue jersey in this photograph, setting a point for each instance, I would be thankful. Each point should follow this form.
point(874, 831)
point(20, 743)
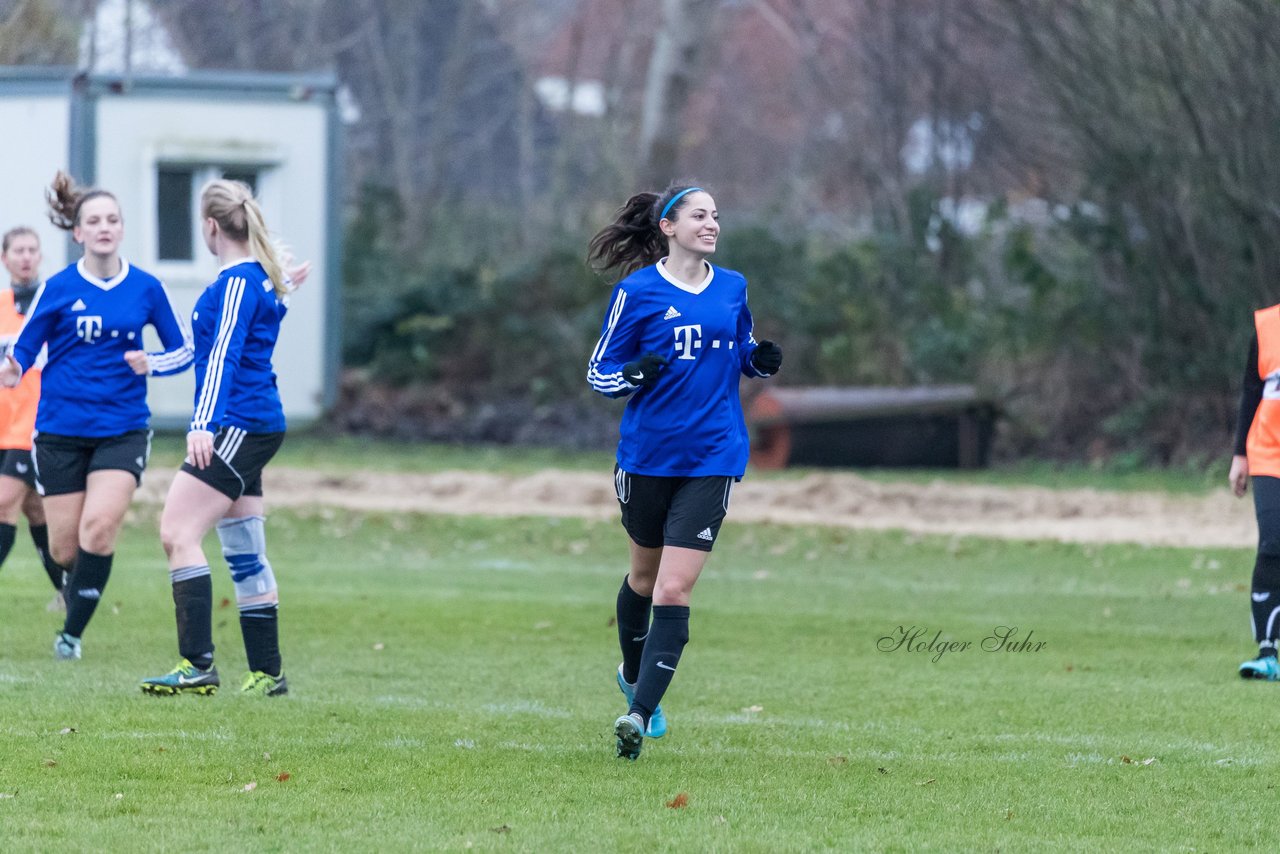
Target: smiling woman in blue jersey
point(92, 424)
point(236, 428)
point(675, 341)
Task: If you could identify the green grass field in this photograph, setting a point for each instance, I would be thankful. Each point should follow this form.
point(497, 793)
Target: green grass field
point(453, 688)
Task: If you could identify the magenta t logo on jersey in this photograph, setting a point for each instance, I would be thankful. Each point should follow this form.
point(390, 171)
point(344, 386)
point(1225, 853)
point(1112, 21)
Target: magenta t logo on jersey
point(688, 339)
point(89, 327)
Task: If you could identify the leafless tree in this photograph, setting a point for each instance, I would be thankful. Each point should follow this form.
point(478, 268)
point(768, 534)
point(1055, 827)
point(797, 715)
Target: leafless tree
point(36, 32)
point(679, 50)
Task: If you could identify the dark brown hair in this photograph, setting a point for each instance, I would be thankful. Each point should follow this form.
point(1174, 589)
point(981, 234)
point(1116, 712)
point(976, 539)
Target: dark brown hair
point(633, 240)
point(66, 198)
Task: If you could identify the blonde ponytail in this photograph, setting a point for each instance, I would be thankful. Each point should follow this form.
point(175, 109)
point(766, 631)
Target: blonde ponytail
point(263, 249)
point(232, 206)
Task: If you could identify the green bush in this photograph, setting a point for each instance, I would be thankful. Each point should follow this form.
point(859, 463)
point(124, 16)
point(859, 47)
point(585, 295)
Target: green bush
point(1028, 311)
point(487, 327)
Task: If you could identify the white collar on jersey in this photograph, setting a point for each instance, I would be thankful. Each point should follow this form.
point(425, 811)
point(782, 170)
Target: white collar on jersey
point(693, 289)
point(236, 263)
point(105, 284)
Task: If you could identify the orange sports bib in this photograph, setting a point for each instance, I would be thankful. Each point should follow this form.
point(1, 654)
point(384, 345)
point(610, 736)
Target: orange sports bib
point(18, 404)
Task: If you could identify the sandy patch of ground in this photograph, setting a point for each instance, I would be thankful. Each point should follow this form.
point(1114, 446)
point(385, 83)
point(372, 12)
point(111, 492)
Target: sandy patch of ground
point(839, 499)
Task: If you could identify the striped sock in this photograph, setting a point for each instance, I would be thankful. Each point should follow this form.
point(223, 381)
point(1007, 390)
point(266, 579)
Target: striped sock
point(193, 609)
point(261, 630)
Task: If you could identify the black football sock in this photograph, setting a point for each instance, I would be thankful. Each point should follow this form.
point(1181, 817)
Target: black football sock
point(84, 590)
point(55, 571)
point(1265, 601)
point(668, 634)
point(261, 630)
point(7, 535)
point(633, 626)
point(193, 608)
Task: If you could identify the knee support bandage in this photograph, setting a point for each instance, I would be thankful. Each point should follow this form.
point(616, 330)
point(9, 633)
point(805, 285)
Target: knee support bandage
point(244, 545)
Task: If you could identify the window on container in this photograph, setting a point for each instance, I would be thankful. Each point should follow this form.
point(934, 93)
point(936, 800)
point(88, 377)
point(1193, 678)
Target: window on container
point(174, 206)
point(178, 204)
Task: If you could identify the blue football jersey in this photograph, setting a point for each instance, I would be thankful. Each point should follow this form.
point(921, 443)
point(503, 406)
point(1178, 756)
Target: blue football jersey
point(235, 324)
point(689, 423)
point(87, 387)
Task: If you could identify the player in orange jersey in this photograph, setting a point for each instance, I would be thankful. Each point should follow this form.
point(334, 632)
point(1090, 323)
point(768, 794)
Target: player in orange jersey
point(21, 256)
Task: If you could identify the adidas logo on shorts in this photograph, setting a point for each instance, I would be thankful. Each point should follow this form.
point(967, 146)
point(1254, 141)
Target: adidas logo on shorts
point(706, 535)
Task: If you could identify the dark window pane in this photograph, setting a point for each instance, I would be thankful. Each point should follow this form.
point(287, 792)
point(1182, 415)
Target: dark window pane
point(249, 176)
point(173, 213)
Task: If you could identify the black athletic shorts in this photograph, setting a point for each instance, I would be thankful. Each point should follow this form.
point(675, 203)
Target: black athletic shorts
point(63, 463)
point(16, 463)
point(238, 461)
point(672, 511)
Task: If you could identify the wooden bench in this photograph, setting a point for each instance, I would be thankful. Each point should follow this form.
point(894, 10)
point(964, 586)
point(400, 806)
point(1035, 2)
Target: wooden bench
point(925, 426)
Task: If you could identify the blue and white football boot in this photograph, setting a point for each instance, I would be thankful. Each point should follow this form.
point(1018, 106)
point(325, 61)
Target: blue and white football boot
point(657, 721)
point(1264, 667)
point(629, 730)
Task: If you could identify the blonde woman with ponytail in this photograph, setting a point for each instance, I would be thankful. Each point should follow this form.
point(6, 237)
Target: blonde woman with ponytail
point(237, 426)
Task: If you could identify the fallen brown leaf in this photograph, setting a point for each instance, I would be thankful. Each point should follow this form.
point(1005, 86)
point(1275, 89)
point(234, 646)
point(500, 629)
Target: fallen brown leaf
point(283, 776)
point(680, 801)
point(1126, 760)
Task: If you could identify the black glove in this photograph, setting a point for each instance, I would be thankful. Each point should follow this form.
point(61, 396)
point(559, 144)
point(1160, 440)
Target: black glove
point(767, 358)
point(644, 371)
